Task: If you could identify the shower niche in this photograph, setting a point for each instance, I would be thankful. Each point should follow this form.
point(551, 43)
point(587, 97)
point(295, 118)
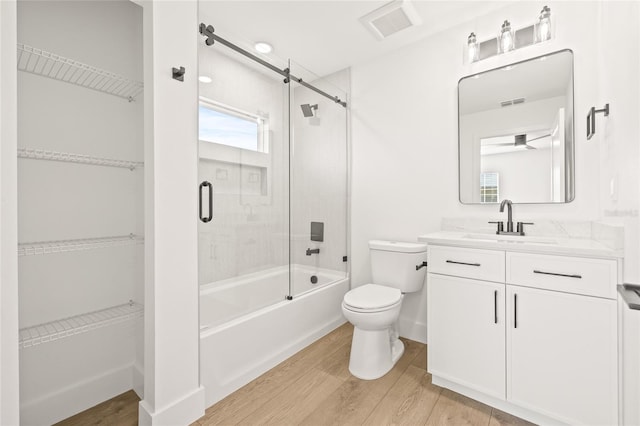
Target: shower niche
point(80, 205)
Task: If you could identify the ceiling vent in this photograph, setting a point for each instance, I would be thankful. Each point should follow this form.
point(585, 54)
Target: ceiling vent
point(510, 102)
point(391, 18)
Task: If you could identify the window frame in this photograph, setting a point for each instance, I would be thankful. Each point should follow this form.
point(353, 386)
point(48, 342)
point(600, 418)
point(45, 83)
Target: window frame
point(261, 121)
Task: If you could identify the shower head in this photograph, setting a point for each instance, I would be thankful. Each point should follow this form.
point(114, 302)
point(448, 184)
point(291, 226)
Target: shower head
point(309, 110)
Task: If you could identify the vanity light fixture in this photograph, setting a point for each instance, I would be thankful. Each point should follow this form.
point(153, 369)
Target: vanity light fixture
point(543, 26)
point(263, 47)
point(472, 48)
point(506, 41)
point(509, 38)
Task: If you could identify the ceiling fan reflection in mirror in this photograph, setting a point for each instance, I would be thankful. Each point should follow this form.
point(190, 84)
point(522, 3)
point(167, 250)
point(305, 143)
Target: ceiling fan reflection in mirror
point(514, 143)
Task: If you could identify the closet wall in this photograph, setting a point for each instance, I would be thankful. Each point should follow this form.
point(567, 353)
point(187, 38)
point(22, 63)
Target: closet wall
point(80, 205)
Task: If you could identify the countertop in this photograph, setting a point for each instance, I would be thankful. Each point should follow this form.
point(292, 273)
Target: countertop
point(583, 247)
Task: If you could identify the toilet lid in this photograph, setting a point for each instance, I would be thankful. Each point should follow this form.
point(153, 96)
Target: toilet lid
point(372, 296)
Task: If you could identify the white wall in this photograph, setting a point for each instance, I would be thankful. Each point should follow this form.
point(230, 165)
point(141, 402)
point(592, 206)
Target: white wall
point(9, 380)
point(65, 201)
point(514, 177)
point(404, 118)
point(172, 393)
point(618, 134)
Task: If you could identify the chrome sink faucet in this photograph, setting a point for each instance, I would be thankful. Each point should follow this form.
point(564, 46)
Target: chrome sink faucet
point(509, 214)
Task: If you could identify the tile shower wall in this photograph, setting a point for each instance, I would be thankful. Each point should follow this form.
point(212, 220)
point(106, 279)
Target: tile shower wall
point(319, 176)
point(405, 178)
point(249, 231)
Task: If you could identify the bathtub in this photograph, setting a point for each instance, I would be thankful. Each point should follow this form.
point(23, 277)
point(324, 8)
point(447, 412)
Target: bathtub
point(247, 327)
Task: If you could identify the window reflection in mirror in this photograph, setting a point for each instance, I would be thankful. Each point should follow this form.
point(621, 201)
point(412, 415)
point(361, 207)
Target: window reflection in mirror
point(516, 129)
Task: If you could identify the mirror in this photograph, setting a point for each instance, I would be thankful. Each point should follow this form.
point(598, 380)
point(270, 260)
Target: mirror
point(515, 132)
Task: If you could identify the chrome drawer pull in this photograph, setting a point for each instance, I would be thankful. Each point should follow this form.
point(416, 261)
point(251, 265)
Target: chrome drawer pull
point(463, 263)
point(557, 275)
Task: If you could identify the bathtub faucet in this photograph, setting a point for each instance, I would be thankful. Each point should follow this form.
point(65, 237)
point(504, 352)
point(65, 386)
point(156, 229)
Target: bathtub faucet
point(314, 251)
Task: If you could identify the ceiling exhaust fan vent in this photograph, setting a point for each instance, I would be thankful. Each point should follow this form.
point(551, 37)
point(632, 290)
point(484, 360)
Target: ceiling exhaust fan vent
point(510, 102)
point(391, 18)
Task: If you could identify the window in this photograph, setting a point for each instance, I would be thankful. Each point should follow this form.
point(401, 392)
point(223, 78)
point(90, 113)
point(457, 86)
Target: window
point(489, 187)
point(225, 125)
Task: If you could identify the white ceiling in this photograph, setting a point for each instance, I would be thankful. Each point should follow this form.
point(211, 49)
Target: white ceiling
point(326, 36)
point(535, 79)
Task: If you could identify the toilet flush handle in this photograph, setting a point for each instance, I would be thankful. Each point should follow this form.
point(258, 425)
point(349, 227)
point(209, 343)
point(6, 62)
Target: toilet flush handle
point(422, 265)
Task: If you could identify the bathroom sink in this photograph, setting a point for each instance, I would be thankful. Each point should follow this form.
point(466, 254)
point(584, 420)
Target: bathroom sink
point(511, 238)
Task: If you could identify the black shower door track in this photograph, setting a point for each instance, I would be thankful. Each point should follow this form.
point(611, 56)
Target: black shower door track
point(208, 32)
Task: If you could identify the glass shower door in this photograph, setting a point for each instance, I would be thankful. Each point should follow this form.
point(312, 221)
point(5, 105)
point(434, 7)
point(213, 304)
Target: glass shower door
point(243, 173)
point(319, 181)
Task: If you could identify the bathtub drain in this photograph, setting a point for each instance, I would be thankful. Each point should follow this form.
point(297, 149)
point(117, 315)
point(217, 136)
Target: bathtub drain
point(314, 279)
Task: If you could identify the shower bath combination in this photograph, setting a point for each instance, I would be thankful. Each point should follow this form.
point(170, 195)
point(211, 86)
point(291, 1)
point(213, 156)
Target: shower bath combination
point(309, 110)
point(255, 276)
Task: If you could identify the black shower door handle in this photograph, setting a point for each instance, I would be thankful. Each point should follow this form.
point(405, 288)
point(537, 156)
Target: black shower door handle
point(210, 216)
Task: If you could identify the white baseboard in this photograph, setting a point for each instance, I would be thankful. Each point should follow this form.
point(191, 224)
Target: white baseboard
point(505, 406)
point(71, 400)
point(412, 330)
point(182, 412)
point(138, 380)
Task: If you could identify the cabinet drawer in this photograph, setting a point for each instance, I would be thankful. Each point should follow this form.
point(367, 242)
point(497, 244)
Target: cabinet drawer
point(487, 265)
point(591, 277)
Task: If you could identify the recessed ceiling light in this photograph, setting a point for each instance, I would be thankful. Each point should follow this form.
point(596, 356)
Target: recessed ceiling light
point(205, 79)
point(263, 47)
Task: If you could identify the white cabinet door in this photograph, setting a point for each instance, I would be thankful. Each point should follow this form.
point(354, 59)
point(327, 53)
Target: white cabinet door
point(466, 341)
point(561, 355)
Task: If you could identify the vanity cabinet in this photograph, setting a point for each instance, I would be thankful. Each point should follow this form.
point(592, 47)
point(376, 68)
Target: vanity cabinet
point(561, 355)
point(470, 333)
point(539, 337)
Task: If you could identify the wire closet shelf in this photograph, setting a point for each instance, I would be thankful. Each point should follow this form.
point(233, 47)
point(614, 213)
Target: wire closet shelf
point(47, 64)
point(62, 246)
point(71, 326)
point(43, 154)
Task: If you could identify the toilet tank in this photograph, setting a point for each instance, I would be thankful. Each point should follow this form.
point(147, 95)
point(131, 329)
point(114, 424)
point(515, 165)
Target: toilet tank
point(393, 264)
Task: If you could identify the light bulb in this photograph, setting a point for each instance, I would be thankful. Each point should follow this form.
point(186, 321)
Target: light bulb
point(506, 38)
point(263, 47)
point(473, 50)
point(543, 26)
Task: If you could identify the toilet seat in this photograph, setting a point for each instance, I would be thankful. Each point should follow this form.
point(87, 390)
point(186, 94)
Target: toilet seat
point(372, 298)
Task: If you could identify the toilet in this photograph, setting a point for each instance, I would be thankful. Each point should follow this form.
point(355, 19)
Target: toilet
point(373, 309)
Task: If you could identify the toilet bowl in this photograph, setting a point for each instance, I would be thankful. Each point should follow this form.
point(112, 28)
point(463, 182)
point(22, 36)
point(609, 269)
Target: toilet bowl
point(374, 308)
point(375, 347)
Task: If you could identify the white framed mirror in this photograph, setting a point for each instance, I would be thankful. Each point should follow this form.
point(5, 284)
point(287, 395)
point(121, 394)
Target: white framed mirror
point(516, 132)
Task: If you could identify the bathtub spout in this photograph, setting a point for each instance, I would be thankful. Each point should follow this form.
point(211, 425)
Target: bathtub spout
point(314, 251)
